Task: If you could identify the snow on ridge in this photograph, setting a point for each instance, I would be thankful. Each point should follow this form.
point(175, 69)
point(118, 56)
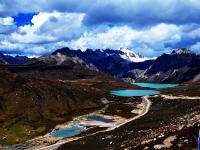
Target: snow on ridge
point(132, 56)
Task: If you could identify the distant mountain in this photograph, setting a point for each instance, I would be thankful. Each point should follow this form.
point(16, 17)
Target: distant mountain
point(61, 60)
point(6, 59)
point(114, 62)
point(180, 66)
point(181, 51)
point(123, 53)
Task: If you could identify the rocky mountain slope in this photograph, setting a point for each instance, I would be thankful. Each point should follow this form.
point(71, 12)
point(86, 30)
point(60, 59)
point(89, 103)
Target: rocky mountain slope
point(6, 59)
point(114, 62)
point(47, 91)
point(179, 66)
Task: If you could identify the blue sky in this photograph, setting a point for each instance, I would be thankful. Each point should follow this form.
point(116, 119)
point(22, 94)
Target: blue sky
point(38, 27)
point(23, 19)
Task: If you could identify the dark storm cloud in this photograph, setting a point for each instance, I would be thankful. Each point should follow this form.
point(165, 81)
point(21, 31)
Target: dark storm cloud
point(14, 7)
point(144, 12)
point(136, 12)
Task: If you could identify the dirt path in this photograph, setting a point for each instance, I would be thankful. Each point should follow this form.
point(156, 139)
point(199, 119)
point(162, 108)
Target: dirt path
point(179, 97)
point(147, 105)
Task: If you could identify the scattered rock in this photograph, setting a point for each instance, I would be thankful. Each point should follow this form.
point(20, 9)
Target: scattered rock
point(159, 146)
point(186, 141)
point(104, 100)
point(17, 140)
point(168, 141)
point(4, 138)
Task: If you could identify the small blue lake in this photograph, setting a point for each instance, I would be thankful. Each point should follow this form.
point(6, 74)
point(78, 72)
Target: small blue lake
point(128, 93)
point(155, 85)
point(69, 131)
point(99, 118)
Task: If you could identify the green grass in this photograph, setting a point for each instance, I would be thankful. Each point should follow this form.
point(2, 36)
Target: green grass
point(18, 133)
point(40, 129)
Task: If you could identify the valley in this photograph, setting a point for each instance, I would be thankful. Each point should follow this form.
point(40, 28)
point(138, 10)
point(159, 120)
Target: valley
point(60, 101)
point(144, 113)
point(163, 120)
point(99, 75)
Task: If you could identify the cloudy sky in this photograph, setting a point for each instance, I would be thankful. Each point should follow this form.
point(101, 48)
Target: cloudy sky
point(149, 27)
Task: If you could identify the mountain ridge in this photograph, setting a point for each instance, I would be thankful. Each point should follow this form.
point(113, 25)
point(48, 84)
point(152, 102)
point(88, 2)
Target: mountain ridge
point(165, 68)
point(108, 60)
point(7, 59)
point(181, 65)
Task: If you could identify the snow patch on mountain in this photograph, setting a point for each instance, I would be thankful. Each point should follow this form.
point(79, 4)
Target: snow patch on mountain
point(131, 56)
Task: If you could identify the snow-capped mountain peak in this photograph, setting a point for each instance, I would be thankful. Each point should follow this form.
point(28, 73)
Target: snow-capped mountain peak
point(132, 56)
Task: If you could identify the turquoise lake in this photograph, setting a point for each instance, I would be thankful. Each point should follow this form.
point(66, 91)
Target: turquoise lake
point(75, 129)
point(128, 93)
point(155, 85)
point(68, 132)
point(99, 118)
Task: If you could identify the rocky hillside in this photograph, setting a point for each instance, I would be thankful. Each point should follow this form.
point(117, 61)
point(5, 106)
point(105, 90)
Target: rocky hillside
point(6, 59)
point(32, 94)
point(113, 62)
point(179, 66)
point(170, 124)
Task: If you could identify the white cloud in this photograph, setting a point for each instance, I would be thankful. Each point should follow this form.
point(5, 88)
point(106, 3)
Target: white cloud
point(7, 21)
point(50, 31)
point(146, 41)
point(194, 33)
point(111, 38)
point(50, 27)
point(161, 33)
point(196, 48)
point(160, 25)
point(7, 25)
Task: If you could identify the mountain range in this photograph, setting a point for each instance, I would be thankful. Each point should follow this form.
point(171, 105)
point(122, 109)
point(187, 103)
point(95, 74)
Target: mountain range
point(32, 90)
point(6, 59)
point(181, 65)
point(178, 67)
